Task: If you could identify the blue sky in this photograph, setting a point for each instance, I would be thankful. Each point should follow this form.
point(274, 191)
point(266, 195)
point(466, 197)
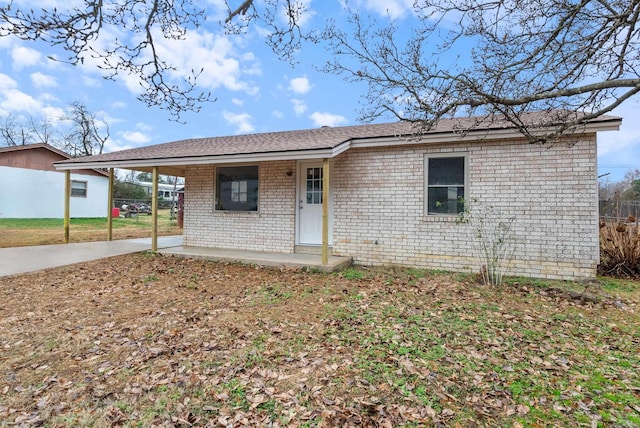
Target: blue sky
point(255, 91)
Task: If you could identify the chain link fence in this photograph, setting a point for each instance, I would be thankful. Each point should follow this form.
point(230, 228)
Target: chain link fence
point(619, 210)
point(162, 203)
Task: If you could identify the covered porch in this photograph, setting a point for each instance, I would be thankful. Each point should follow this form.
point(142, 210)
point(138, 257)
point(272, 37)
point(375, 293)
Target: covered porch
point(315, 255)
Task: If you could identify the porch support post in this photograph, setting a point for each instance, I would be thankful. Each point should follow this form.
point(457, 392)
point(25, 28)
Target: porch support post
point(110, 206)
point(67, 204)
point(154, 211)
point(325, 211)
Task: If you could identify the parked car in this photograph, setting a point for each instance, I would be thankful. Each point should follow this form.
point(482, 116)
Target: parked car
point(134, 209)
point(142, 208)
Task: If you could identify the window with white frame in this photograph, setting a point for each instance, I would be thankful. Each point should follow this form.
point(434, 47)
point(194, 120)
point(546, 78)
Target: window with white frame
point(237, 188)
point(79, 188)
point(445, 182)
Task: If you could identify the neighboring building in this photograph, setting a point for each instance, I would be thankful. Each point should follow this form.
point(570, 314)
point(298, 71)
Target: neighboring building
point(32, 188)
point(394, 197)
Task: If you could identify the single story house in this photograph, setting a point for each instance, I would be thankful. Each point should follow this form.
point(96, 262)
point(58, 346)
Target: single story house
point(382, 194)
point(33, 188)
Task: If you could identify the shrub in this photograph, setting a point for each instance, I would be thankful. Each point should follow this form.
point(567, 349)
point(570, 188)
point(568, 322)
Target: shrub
point(620, 249)
point(493, 239)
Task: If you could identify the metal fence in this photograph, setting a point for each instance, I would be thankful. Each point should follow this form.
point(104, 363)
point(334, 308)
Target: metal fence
point(162, 203)
point(619, 210)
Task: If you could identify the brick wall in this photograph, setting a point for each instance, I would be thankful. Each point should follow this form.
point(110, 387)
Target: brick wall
point(551, 191)
point(271, 228)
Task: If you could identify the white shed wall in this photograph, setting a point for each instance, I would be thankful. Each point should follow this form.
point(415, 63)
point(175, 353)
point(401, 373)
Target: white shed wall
point(28, 193)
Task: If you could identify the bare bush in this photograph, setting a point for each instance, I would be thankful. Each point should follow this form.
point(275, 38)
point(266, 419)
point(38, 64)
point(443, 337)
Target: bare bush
point(620, 249)
point(493, 240)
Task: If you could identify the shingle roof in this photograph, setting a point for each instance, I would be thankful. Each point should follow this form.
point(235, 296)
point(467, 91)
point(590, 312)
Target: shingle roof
point(44, 146)
point(11, 149)
point(306, 140)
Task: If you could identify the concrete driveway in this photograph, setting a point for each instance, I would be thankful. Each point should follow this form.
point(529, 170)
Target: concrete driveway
point(30, 259)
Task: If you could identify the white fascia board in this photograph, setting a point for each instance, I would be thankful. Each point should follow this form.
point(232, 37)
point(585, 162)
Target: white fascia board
point(477, 135)
point(341, 148)
point(202, 160)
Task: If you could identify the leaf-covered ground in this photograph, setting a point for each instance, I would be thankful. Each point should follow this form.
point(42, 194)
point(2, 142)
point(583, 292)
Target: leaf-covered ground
point(146, 340)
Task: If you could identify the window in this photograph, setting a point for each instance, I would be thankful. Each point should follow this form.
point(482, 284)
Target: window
point(79, 188)
point(445, 179)
point(237, 188)
point(314, 186)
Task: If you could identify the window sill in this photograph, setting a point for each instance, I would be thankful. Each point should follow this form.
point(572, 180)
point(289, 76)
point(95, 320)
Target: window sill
point(442, 219)
point(236, 213)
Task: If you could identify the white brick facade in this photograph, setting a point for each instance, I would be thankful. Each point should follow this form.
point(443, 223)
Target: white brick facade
point(378, 207)
point(271, 228)
point(552, 192)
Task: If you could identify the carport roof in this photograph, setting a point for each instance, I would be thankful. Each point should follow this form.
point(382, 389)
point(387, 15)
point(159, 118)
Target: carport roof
point(325, 142)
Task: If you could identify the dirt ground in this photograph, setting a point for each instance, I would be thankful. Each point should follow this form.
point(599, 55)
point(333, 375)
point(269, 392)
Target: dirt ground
point(146, 340)
point(78, 341)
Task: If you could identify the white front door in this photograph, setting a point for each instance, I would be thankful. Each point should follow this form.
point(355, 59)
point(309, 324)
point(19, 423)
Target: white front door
point(310, 204)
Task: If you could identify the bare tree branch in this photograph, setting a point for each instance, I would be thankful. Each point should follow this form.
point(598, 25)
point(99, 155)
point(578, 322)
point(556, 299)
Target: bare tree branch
point(78, 29)
point(86, 137)
point(240, 10)
point(552, 55)
point(579, 59)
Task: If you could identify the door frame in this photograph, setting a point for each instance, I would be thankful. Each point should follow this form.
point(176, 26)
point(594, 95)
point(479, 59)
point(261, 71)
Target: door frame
point(300, 173)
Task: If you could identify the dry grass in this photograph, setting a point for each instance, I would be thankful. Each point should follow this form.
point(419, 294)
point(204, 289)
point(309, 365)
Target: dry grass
point(26, 232)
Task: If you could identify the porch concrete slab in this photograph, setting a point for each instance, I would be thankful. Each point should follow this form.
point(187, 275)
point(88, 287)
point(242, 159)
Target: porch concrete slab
point(263, 258)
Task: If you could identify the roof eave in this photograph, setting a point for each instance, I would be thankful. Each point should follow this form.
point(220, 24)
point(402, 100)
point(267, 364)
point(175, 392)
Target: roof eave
point(178, 163)
point(201, 160)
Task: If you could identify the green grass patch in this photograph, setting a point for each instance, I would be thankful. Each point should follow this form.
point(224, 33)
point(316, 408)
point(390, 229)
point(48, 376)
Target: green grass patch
point(352, 273)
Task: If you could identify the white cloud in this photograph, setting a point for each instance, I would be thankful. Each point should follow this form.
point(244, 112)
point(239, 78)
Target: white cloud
point(14, 100)
point(215, 55)
point(393, 8)
point(215, 59)
point(24, 57)
point(144, 127)
point(6, 42)
point(237, 102)
point(251, 64)
point(327, 119)
point(241, 121)
point(113, 145)
point(299, 106)
point(50, 4)
point(7, 83)
point(300, 85)
point(54, 115)
point(277, 114)
point(135, 137)
point(41, 80)
point(48, 97)
point(17, 101)
point(91, 82)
